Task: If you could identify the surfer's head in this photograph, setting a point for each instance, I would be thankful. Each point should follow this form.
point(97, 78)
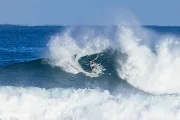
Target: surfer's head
point(90, 61)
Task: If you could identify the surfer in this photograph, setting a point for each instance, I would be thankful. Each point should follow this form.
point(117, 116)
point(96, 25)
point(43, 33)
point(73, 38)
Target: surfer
point(92, 64)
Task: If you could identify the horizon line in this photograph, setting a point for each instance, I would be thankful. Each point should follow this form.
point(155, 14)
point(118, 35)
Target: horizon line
point(58, 25)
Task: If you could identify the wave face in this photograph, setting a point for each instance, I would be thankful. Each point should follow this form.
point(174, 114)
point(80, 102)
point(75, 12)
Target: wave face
point(45, 72)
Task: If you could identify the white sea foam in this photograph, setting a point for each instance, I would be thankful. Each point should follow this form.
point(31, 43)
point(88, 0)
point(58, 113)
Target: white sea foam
point(84, 104)
point(154, 72)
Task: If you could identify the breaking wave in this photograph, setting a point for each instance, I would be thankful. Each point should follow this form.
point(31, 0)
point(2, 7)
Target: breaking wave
point(151, 67)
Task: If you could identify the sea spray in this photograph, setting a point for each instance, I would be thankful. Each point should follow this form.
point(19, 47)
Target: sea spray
point(153, 72)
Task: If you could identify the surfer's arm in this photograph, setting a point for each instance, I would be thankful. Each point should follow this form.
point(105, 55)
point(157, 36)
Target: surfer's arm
point(96, 58)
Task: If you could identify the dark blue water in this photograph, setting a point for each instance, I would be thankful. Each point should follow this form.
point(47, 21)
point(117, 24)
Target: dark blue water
point(22, 43)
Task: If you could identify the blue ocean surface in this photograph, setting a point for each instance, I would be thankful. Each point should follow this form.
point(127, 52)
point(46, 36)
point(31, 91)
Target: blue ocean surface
point(45, 72)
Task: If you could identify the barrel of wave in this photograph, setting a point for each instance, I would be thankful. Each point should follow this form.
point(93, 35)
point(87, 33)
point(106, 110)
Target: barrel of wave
point(65, 52)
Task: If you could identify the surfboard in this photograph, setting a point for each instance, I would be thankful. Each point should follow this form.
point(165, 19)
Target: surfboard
point(98, 70)
point(91, 74)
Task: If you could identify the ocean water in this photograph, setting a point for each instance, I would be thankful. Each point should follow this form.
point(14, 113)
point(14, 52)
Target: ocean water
point(45, 73)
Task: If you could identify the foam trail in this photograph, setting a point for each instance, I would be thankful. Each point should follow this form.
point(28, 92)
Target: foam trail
point(65, 51)
point(84, 104)
point(154, 72)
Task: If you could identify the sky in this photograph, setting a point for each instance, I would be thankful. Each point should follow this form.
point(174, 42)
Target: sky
point(90, 12)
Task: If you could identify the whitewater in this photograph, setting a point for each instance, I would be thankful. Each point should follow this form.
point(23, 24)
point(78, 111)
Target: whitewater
point(49, 77)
